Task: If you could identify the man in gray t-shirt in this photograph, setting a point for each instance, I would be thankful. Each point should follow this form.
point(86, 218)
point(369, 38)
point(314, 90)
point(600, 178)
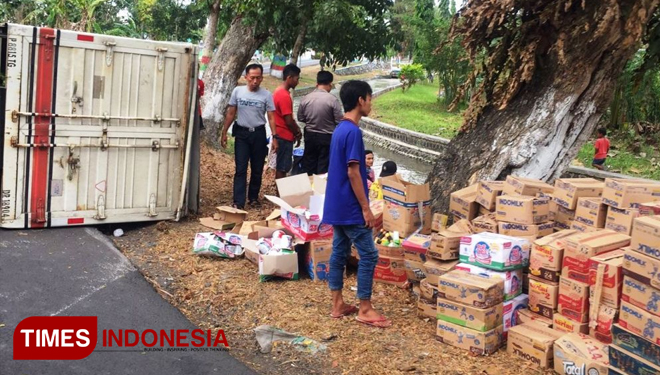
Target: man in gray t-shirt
point(252, 104)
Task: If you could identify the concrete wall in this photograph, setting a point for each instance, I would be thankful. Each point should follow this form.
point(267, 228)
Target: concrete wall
point(362, 68)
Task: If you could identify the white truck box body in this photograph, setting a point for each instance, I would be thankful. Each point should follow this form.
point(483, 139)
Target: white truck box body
point(96, 128)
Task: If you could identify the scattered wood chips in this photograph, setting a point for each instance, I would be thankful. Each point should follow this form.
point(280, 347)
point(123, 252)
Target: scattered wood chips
point(226, 294)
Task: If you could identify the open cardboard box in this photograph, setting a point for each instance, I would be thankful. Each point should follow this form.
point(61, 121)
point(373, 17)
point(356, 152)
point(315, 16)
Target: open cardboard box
point(296, 192)
point(281, 265)
point(226, 218)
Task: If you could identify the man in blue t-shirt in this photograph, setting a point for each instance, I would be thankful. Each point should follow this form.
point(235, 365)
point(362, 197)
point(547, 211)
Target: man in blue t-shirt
point(347, 207)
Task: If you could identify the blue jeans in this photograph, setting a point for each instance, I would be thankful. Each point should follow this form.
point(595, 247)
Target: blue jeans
point(250, 147)
point(362, 237)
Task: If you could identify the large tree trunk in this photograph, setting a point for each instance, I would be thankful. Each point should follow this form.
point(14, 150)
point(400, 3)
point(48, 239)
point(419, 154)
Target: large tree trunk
point(541, 129)
point(222, 74)
point(210, 33)
point(300, 42)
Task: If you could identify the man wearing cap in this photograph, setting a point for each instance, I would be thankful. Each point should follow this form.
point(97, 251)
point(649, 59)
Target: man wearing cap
point(388, 169)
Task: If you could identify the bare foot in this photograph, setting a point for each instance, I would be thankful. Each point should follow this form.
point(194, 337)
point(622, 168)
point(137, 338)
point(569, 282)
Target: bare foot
point(342, 309)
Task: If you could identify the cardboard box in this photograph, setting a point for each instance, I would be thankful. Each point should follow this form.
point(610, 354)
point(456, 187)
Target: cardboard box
point(471, 289)
point(495, 251)
point(416, 247)
point(295, 192)
point(527, 316)
point(487, 193)
point(279, 265)
point(463, 203)
point(591, 212)
point(390, 271)
point(581, 247)
point(425, 309)
point(627, 340)
point(469, 316)
point(407, 206)
point(436, 268)
point(641, 268)
point(569, 190)
point(510, 313)
point(392, 252)
point(377, 206)
point(526, 230)
point(318, 258)
point(649, 208)
point(415, 270)
point(561, 323)
point(583, 228)
point(532, 342)
point(640, 322)
point(486, 223)
point(625, 193)
point(612, 268)
point(445, 245)
point(564, 218)
point(547, 254)
point(525, 186)
point(428, 291)
point(523, 209)
point(225, 218)
point(439, 222)
point(641, 295)
point(621, 220)
point(630, 363)
point(479, 343)
point(603, 321)
point(483, 211)
point(251, 251)
point(552, 214)
point(646, 236)
point(543, 297)
point(512, 279)
point(576, 353)
point(573, 301)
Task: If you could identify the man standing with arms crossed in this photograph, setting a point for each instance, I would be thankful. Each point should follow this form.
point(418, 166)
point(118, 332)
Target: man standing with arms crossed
point(288, 130)
point(251, 103)
point(321, 112)
point(347, 208)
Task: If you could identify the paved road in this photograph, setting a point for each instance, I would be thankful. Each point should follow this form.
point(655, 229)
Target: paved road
point(76, 272)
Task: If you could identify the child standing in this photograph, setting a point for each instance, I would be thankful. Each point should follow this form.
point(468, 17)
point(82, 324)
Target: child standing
point(602, 147)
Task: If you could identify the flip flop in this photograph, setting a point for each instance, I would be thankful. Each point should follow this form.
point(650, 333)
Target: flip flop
point(382, 322)
point(350, 310)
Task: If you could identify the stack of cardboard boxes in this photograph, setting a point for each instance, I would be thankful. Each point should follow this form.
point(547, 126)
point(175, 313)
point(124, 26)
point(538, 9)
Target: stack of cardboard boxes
point(635, 345)
point(623, 198)
point(568, 194)
point(469, 311)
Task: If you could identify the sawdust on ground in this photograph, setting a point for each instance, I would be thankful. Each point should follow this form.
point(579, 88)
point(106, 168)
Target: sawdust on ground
point(226, 294)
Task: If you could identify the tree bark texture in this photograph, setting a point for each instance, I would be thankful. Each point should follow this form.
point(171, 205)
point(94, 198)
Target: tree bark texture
point(211, 32)
point(234, 53)
point(300, 42)
point(552, 115)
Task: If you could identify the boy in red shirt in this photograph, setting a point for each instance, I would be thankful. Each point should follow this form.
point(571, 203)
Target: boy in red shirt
point(602, 147)
point(288, 130)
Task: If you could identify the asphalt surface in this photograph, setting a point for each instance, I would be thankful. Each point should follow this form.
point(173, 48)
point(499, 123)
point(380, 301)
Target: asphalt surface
point(79, 272)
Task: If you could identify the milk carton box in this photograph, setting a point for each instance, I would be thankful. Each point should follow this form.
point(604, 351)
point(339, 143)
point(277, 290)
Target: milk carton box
point(512, 279)
point(495, 251)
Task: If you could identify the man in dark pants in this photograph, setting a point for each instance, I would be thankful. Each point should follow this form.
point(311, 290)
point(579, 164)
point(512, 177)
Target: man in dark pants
point(288, 131)
point(321, 112)
point(251, 103)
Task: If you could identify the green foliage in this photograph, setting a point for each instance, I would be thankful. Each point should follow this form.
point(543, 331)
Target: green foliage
point(410, 74)
point(417, 110)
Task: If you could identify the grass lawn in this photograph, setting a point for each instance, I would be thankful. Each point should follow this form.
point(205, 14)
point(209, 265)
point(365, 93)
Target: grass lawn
point(622, 157)
point(417, 109)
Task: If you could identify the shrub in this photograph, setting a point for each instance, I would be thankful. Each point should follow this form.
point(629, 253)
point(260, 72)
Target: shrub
point(411, 74)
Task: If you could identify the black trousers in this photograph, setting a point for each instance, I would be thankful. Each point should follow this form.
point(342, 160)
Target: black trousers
point(249, 147)
point(317, 153)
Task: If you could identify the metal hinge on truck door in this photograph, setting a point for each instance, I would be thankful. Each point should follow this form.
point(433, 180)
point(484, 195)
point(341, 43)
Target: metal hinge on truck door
point(152, 206)
point(104, 136)
point(161, 57)
point(109, 51)
point(40, 217)
point(100, 208)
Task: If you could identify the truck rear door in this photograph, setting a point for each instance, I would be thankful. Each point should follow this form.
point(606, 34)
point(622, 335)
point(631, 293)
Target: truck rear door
point(96, 128)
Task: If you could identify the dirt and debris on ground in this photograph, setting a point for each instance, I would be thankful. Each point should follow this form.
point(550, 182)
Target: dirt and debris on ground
point(226, 294)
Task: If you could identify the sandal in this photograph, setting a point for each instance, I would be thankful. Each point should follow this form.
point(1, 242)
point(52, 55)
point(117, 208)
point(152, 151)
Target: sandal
point(381, 322)
point(349, 311)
